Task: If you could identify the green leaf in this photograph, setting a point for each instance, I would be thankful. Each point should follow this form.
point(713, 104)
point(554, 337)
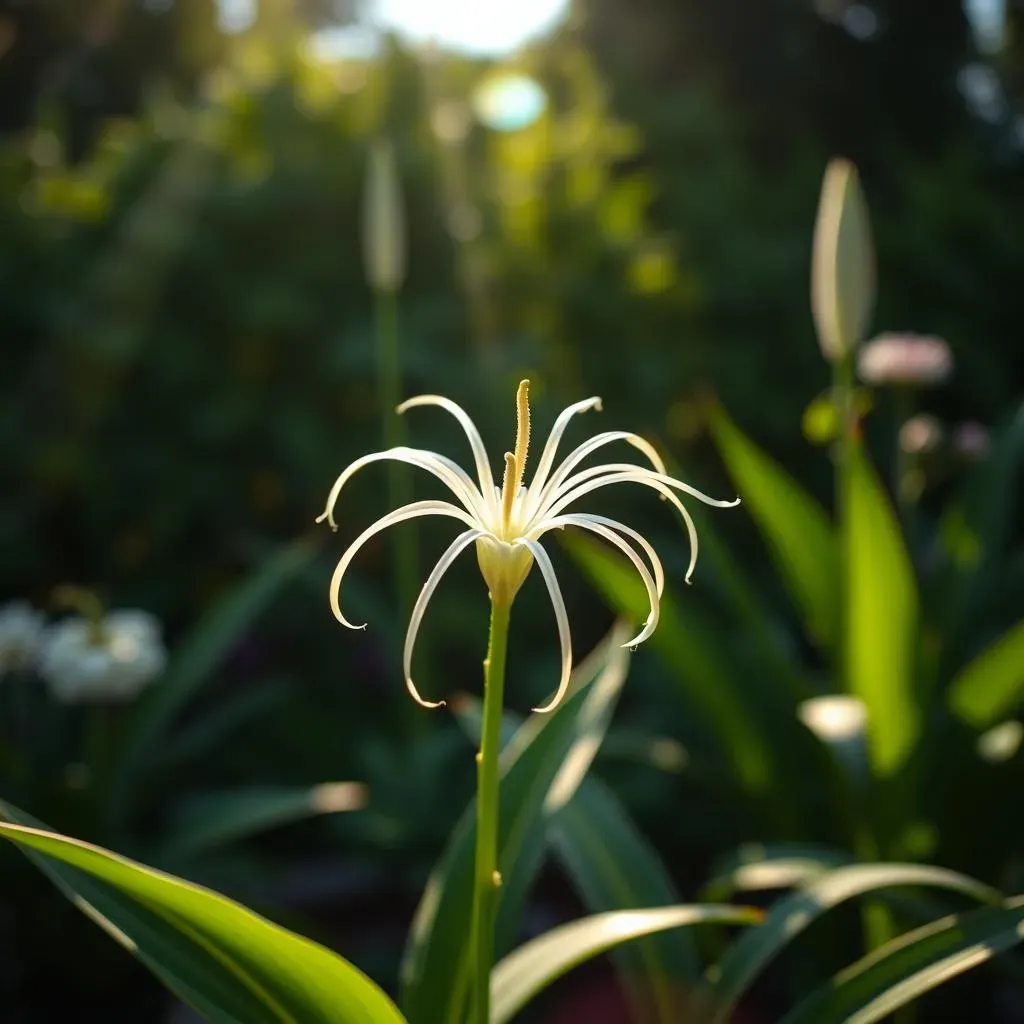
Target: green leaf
point(198, 656)
point(695, 662)
point(796, 527)
point(976, 532)
point(990, 687)
point(231, 965)
point(535, 965)
point(757, 867)
point(612, 866)
point(211, 820)
point(787, 918)
point(541, 767)
point(911, 965)
point(882, 610)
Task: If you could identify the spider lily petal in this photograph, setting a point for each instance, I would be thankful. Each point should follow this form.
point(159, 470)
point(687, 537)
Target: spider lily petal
point(547, 456)
point(444, 563)
point(476, 443)
point(400, 515)
point(561, 618)
point(653, 592)
point(601, 476)
point(582, 518)
point(626, 471)
point(588, 448)
point(448, 472)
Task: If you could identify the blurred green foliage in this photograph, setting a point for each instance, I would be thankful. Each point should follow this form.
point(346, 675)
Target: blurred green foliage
point(188, 339)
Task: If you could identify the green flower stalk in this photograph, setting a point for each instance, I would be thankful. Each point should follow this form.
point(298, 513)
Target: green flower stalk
point(384, 259)
point(506, 525)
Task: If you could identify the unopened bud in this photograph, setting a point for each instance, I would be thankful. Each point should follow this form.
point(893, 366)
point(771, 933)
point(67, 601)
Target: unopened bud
point(843, 263)
point(383, 221)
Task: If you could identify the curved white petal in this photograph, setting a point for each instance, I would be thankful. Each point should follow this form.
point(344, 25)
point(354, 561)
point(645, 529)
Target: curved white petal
point(547, 456)
point(601, 476)
point(447, 471)
point(476, 442)
point(411, 511)
point(561, 617)
point(444, 563)
point(585, 518)
point(634, 470)
point(578, 454)
point(586, 522)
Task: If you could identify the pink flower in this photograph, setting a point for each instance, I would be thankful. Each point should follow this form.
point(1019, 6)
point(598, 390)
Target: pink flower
point(913, 360)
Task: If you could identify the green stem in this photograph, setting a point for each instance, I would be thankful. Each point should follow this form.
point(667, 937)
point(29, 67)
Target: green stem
point(486, 879)
point(389, 382)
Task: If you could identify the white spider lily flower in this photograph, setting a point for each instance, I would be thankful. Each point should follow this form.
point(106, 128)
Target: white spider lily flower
point(506, 524)
point(111, 659)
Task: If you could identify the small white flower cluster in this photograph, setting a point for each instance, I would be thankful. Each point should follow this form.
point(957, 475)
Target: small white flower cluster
point(83, 661)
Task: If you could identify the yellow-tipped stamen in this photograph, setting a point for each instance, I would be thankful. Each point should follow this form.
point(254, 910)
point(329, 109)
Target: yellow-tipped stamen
point(522, 431)
point(515, 463)
point(508, 489)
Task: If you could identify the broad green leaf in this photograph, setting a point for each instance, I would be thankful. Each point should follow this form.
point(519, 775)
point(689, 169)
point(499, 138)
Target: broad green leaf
point(694, 660)
point(215, 819)
point(882, 614)
point(912, 965)
point(990, 687)
point(975, 534)
point(787, 918)
point(757, 867)
point(795, 526)
point(229, 963)
point(541, 767)
point(535, 965)
point(753, 610)
point(198, 656)
point(612, 866)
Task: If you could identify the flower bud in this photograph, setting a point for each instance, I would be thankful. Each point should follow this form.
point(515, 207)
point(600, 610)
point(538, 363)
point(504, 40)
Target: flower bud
point(383, 221)
point(843, 263)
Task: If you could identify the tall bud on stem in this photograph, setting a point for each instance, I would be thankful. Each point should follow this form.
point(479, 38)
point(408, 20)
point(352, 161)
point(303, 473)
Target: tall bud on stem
point(384, 245)
point(843, 264)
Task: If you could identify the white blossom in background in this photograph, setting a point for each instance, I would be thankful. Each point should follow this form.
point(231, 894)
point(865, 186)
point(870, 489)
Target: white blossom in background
point(920, 434)
point(1000, 742)
point(911, 360)
point(21, 633)
point(840, 722)
point(834, 718)
point(85, 661)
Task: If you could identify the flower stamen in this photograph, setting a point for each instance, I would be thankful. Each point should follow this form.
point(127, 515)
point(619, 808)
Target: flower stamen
point(515, 463)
